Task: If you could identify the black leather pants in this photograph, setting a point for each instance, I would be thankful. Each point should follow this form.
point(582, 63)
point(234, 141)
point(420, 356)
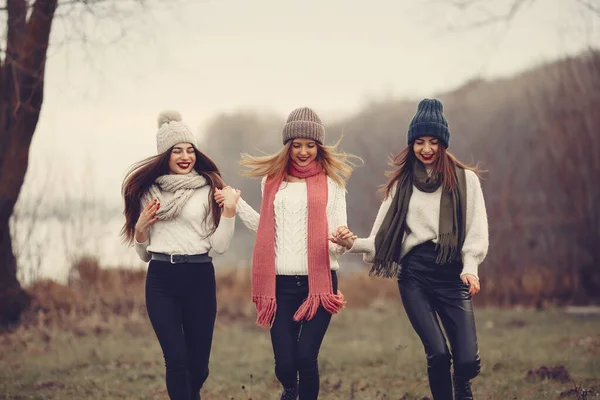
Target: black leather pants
point(432, 293)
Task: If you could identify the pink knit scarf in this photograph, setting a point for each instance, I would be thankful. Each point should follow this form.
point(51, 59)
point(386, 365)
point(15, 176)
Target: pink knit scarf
point(319, 271)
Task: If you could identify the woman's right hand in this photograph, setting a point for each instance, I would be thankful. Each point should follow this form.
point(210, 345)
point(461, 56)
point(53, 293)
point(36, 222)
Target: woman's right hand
point(146, 220)
point(219, 196)
point(343, 236)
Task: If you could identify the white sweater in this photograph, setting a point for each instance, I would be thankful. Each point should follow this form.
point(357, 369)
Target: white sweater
point(291, 225)
point(422, 221)
point(188, 232)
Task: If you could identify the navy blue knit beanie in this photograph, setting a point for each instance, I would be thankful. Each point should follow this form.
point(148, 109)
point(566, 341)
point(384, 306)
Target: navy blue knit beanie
point(429, 120)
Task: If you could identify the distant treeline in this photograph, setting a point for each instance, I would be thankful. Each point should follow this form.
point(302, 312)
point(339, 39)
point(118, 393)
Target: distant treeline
point(538, 136)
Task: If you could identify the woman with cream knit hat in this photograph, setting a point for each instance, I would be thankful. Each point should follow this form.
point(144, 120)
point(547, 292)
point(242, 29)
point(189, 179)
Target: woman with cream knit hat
point(173, 221)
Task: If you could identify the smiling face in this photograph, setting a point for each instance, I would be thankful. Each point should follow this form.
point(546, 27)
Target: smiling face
point(303, 151)
point(426, 149)
point(183, 158)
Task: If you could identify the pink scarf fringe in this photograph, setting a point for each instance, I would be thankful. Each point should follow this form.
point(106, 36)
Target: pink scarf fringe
point(319, 269)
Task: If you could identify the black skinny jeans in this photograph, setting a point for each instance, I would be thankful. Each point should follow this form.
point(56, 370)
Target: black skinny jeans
point(429, 291)
point(296, 345)
point(182, 306)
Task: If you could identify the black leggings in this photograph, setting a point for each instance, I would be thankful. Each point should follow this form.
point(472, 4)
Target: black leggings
point(182, 306)
point(296, 345)
point(429, 291)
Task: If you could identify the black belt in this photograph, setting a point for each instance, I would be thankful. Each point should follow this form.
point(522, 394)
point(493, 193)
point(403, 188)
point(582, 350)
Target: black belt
point(182, 258)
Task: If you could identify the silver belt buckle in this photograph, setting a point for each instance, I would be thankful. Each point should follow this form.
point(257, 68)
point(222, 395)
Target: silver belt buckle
point(172, 261)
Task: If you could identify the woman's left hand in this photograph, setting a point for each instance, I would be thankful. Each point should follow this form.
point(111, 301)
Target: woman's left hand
point(472, 282)
point(219, 196)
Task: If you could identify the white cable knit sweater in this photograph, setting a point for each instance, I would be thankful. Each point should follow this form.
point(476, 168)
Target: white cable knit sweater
point(291, 225)
point(422, 221)
point(187, 233)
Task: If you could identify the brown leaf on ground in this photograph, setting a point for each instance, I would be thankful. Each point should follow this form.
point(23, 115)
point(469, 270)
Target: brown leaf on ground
point(49, 385)
point(558, 373)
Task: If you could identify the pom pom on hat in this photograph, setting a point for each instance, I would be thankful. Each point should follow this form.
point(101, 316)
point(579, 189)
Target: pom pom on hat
point(172, 130)
point(167, 116)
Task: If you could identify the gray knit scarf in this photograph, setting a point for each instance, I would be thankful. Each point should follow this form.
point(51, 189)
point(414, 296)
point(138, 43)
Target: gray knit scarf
point(183, 186)
point(452, 224)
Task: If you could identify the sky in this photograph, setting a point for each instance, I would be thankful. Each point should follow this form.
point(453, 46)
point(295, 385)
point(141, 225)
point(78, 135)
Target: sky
point(203, 58)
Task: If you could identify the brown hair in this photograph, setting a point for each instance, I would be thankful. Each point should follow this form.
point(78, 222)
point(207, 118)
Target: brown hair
point(334, 162)
point(142, 175)
point(443, 166)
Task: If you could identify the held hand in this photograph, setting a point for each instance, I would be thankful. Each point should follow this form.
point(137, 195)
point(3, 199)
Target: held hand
point(230, 197)
point(146, 220)
point(343, 236)
point(472, 282)
point(219, 196)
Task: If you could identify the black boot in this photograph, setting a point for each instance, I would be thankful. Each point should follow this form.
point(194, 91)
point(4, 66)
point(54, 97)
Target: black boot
point(462, 389)
point(289, 394)
point(440, 379)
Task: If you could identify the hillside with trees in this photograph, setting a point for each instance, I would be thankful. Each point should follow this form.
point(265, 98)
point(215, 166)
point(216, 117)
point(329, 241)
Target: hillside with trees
point(537, 136)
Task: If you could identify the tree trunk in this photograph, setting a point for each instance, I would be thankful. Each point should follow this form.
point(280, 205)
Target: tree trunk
point(21, 97)
point(13, 299)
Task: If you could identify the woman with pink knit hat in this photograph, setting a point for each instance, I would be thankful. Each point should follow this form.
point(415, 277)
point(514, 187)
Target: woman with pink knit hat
point(294, 281)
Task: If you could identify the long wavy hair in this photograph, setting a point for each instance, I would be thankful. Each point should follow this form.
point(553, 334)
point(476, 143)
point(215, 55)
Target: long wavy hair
point(443, 166)
point(335, 163)
point(143, 174)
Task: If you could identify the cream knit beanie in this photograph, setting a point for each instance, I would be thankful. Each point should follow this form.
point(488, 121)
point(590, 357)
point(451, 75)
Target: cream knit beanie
point(171, 130)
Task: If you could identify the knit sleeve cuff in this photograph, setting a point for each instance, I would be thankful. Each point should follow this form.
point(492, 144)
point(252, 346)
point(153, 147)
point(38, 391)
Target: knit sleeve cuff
point(141, 249)
point(142, 244)
point(337, 250)
point(221, 238)
point(365, 246)
point(362, 245)
point(249, 217)
point(470, 267)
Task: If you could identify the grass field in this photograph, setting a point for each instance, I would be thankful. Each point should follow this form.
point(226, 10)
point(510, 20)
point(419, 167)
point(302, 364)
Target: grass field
point(368, 353)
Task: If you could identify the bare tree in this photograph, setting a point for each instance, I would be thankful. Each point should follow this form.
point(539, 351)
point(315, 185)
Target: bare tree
point(29, 246)
point(482, 13)
point(570, 122)
point(23, 54)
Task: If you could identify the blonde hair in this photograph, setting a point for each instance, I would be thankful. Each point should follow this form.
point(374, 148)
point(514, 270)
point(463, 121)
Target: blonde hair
point(335, 163)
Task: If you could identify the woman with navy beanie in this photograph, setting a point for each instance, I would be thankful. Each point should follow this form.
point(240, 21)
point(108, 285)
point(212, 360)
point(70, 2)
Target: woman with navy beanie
point(431, 232)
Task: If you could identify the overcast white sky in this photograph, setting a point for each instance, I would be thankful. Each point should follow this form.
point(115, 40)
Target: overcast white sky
point(207, 57)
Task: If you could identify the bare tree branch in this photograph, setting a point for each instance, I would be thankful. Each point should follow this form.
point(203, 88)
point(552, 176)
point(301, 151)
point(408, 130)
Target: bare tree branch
point(589, 6)
point(83, 3)
point(17, 14)
point(505, 16)
point(24, 51)
point(491, 17)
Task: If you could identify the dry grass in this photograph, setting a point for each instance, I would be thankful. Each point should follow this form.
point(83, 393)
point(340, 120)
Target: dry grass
point(369, 353)
point(92, 340)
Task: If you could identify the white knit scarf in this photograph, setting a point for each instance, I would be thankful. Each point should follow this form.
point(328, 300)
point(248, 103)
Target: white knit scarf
point(183, 186)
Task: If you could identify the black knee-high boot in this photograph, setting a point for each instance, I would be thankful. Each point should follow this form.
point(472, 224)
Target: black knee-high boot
point(462, 389)
point(463, 373)
point(440, 381)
